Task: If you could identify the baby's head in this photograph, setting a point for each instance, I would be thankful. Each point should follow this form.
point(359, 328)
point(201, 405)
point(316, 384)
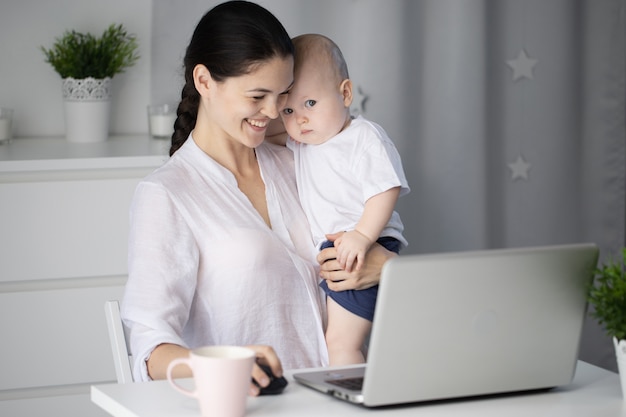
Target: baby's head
point(318, 106)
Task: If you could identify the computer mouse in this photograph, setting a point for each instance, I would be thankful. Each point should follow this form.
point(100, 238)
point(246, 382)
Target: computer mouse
point(276, 385)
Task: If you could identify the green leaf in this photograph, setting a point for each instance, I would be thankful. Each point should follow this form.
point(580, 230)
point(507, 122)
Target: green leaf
point(79, 55)
point(608, 296)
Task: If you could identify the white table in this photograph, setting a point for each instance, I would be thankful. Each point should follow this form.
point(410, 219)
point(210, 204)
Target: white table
point(594, 392)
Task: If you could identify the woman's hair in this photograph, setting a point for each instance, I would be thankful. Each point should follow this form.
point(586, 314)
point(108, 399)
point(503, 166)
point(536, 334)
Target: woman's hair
point(229, 40)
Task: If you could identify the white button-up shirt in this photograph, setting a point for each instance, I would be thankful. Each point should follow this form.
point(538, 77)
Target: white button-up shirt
point(205, 269)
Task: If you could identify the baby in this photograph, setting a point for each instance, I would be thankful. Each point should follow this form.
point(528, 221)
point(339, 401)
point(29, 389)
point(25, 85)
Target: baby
point(349, 177)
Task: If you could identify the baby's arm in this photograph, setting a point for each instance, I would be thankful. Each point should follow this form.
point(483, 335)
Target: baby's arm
point(352, 245)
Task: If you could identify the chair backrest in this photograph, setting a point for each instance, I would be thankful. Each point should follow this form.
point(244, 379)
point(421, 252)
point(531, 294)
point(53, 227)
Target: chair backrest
point(121, 353)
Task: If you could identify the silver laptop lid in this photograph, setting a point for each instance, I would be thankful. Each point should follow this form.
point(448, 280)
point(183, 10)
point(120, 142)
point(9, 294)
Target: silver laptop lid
point(472, 323)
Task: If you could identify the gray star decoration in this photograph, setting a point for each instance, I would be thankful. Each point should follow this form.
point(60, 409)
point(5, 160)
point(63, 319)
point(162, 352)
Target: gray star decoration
point(522, 66)
point(519, 169)
point(358, 101)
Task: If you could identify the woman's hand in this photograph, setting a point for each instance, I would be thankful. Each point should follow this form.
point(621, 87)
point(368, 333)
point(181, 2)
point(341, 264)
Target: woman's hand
point(366, 277)
point(267, 356)
point(163, 354)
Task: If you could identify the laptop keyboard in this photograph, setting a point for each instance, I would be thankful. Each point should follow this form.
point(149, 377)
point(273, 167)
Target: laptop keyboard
point(354, 384)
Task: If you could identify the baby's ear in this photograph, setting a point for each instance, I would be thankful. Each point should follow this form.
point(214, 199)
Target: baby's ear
point(346, 91)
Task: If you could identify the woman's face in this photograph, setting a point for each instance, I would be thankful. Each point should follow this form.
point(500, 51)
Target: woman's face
point(241, 107)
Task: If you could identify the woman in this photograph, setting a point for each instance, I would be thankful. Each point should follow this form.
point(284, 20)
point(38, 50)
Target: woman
point(219, 250)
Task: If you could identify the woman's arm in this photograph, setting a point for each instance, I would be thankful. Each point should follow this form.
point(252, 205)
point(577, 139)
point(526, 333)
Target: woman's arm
point(366, 277)
point(161, 357)
point(163, 354)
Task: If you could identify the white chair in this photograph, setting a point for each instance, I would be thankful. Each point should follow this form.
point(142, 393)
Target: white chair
point(117, 335)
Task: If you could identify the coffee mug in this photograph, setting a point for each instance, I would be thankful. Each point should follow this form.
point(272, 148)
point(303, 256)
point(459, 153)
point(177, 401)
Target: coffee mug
point(222, 376)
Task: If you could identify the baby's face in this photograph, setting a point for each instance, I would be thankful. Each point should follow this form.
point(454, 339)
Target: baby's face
point(316, 109)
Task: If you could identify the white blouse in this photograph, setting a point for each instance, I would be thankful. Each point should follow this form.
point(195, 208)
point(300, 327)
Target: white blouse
point(205, 269)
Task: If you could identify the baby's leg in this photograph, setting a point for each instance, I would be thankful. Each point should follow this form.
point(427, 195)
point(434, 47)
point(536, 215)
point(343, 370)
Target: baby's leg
point(345, 335)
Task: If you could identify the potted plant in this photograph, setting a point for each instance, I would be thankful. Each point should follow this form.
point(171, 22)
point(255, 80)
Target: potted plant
point(87, 65)
point(607, 295)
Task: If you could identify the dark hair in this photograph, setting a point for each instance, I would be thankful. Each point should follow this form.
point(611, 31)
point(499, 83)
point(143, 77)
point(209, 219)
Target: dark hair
point(228, 40)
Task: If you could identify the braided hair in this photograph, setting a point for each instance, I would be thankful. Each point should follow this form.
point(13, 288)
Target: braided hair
point(228, 40)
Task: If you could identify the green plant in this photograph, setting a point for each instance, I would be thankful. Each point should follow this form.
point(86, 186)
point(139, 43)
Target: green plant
point(79, 55)
point(608, 297)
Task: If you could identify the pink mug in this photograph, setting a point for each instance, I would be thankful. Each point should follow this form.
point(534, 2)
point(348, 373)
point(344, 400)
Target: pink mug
point(222, 376)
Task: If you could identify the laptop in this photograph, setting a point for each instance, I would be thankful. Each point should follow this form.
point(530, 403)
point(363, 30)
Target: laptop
point(465, 324)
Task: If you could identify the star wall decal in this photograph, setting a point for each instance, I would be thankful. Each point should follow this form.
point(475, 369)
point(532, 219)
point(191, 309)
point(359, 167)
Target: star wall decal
point(358, 101)
point(522, 66)
point(519, 169)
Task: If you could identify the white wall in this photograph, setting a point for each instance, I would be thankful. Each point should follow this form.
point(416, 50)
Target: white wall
point(31, 86)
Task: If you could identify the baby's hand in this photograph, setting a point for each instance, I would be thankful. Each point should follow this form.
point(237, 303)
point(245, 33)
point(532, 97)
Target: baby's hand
point(351, 247)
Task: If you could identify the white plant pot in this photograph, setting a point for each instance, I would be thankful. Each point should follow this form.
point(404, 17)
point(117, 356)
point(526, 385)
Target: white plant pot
point(620, 353)
point(87, 109)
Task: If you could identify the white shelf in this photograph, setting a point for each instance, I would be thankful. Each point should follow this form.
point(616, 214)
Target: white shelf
point(57, 154)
